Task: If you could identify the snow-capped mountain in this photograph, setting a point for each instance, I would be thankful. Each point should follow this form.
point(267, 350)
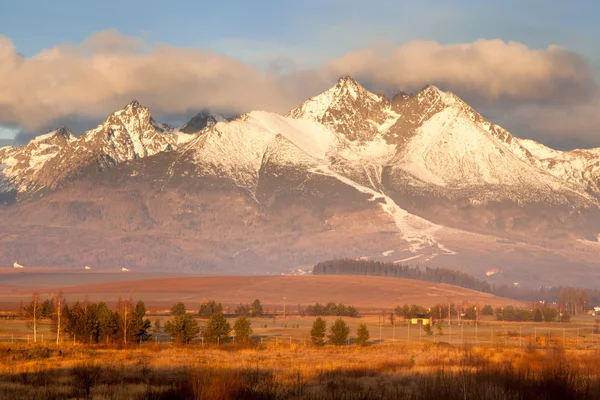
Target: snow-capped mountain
point(204, 119)
point(48, 160)
point(348, 109)
point(23, 164)
point(347, 173)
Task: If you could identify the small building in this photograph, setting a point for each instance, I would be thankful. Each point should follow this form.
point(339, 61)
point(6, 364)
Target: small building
point(16, 265)
point(420, 320)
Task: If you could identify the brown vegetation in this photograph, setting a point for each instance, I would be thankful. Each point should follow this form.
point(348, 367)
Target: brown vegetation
point(417, 371)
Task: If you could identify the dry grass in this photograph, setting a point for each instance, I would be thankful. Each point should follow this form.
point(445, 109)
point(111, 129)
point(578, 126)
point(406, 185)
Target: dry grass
point(418, 371)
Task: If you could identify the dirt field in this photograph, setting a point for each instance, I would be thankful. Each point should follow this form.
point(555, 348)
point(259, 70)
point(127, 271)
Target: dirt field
point(364, 292)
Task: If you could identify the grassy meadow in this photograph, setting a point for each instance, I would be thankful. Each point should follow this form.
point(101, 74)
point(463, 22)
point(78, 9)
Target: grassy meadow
point(492, 360)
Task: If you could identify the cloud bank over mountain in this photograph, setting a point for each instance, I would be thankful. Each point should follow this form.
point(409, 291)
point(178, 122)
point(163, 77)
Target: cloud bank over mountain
point(549, 94)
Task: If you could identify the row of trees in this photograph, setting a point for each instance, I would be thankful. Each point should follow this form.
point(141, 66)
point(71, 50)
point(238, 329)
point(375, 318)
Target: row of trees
point(211, 307)
point(90, 322)
point(338, 333)
point(347, 266)
point(538, 314)
point(570, 300)
point(439, 311)
point(250, 310)
point(331, 309)
point(183, 328)
point(541, 313)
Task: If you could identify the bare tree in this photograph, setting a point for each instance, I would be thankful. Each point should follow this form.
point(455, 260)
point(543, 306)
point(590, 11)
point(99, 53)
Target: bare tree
point(59, 304)
point(32, 312)
point(124, 307)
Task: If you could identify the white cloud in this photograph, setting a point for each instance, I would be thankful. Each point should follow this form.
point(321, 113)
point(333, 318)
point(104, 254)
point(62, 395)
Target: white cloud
point(540, 87)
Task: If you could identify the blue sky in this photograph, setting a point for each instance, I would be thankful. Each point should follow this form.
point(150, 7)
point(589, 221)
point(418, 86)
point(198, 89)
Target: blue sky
point(284, 35)
point(310, 29)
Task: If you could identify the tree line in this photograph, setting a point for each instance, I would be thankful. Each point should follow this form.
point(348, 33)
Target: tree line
point(570, 300)
point(544, 313)
point(90, 322)
point(347, 266)
point(331, 309)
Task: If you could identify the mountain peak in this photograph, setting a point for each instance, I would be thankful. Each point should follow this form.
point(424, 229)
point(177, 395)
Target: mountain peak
point(204, 119)
point(347, 108)
point(431, 91)
point(347, 81)
point(61, 134)
point(346, 94)
point(134, 104)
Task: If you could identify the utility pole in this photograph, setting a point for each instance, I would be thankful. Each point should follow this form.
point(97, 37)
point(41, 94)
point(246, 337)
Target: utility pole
point(284, 307)
point(35, 307)
point(58, 315)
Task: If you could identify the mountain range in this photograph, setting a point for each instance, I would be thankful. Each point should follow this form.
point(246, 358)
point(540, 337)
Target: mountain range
point(418, 178)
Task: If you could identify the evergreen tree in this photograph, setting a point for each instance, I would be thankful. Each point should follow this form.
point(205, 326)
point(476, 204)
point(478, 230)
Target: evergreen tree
point(338, 332)
point(242, 329)
point(209, 308)
point(317, 333)
point(217, 328)
point(178, 309)
point(139, 325)
point(109, 324)
point(47, 308)
point(243, 310)
point(256, 308)
point(182, 328)
point(362, 335)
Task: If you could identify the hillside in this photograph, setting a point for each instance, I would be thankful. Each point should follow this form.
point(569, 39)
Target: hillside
point(363, 292)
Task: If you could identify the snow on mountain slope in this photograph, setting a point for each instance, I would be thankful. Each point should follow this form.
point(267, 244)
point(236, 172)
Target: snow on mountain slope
point(417, 231)
point(578, 167)
point(183, 138)
point(22, 164)
point(236, 149)
point(450, 149)
point(538, 150)
point(5, 184)
point(349, 110)
point(127, 134)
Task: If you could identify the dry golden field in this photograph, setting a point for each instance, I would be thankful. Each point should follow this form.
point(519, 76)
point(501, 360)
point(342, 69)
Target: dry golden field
point(400, 371)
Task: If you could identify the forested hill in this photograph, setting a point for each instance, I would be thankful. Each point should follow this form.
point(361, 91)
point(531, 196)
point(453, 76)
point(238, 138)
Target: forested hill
point(348, 266)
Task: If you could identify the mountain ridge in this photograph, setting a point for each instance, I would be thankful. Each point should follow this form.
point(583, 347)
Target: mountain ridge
point(412, 169)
